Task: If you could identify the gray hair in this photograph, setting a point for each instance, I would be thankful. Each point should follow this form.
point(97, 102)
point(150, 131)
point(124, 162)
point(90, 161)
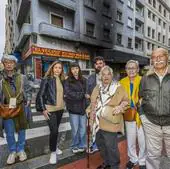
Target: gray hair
point(106, 68)
point(9, 57)
point(132, 61)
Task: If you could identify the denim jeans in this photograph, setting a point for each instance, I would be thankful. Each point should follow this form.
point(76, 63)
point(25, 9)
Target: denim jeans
point(10, 136)
point(78, 129)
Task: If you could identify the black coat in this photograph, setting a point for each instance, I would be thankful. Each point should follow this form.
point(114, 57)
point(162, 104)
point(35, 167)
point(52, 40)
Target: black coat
point(47, 93)
point(74, 95)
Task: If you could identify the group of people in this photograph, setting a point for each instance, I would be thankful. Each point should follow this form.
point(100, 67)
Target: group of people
point(141, 103)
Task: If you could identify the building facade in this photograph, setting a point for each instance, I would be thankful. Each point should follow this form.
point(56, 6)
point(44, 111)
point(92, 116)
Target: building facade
point(70, 30)
point(77, 30)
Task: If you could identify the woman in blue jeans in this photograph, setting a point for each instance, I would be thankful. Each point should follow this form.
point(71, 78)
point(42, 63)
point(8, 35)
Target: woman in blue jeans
point(74, 94)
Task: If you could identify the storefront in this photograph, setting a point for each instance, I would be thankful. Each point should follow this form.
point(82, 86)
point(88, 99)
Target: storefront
point(38, 59)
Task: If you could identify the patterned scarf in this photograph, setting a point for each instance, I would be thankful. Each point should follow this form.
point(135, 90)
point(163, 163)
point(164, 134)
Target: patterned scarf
point(104, 97)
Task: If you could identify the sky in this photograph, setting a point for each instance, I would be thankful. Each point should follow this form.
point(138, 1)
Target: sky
point(2, 27)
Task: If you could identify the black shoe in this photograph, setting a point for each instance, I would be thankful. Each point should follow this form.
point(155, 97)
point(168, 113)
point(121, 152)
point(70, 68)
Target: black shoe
point(101, 166)
point(130, 165)
point(107, 167)
point(142, 166)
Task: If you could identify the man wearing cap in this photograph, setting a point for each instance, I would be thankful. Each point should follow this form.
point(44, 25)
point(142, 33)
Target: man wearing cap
point(155, 108)
point(14, 90)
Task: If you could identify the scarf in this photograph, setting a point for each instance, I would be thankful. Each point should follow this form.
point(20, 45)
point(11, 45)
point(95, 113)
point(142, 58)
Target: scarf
point(134, 97)
point(104, 97)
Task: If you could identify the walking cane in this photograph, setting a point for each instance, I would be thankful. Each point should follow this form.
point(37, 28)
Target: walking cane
point(88, 141)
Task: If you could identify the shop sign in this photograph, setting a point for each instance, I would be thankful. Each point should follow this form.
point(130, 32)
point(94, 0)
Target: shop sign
point(59, 53)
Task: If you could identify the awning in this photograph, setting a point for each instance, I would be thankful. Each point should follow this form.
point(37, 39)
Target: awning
point(122, 57)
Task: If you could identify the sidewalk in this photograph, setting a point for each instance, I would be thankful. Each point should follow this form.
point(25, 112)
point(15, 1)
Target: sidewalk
point(96, 160)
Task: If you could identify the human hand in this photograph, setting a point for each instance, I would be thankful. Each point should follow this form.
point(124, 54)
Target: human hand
point(46, 114)
point(117, 110)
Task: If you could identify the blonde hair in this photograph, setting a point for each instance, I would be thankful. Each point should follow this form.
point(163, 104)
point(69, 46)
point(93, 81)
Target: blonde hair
point(50, 73)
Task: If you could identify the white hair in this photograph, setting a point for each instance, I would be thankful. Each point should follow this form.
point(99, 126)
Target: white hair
point(132, 61)
point(106, 68)
point(9, 57)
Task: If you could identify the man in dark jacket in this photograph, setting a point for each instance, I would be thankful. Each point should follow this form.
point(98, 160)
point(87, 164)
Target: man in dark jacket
point(92, 81)
point(155, 108)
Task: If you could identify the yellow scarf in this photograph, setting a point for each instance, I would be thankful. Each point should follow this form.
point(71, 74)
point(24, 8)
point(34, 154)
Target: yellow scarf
point(135, 98)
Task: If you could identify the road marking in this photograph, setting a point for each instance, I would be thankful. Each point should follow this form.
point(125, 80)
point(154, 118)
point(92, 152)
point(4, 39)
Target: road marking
point(39, 131)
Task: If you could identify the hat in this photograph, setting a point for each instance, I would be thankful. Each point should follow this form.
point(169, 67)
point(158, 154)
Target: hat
point(74, 64)
point(9, 57)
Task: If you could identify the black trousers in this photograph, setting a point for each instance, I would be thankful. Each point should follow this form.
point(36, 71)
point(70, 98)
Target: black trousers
point(54, 123)
point(107, 143)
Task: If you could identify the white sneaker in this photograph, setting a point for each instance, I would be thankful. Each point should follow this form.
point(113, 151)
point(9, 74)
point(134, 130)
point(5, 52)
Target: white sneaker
point(11, 158)
point(22, 155)
point(81, 150)
point(53, 158)
point(59, 152)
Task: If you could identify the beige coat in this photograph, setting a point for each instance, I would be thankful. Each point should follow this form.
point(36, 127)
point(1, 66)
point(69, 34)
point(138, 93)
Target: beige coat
point(119, 96)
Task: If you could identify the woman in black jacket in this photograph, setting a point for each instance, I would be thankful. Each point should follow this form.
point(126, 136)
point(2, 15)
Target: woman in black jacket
point(74, 94)
point(50, 102)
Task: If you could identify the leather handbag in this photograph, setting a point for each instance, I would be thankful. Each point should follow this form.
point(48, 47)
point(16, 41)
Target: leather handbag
point(108, 115)
point(129, 115)
point(6, 112)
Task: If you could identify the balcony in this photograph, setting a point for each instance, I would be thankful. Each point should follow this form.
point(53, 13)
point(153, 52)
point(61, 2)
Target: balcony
point(54, 31)
point(139, 34)
point(25, 32)
point(139, 16)
point(141, 2)
point(23, 9)
point(66, 3)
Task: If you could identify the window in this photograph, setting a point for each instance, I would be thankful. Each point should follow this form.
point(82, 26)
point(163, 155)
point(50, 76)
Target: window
point(153, 34)
point(160, 8)
point(130, 3)
point(164, 25)
point(106, 33)
point(149, 1)
point(153, 17)
point(106, 8)
point(154, 3)
point(130, 22)
point(168, 42)
point(149, 46)
point(57, 20)
point(164, 12)
point(90, 3)
point(90, 29)
point(149, 14)
point(119, 39)
point(149, 31)
point(159, 36)
point(119, 15)
point(129, 43)
point(169, 28)
point(159, 21)
point(153, 46)
point(163, 38)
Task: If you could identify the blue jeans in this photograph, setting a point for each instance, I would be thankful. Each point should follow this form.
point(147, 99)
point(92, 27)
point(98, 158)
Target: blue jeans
point(78, 129)
point(10, 131)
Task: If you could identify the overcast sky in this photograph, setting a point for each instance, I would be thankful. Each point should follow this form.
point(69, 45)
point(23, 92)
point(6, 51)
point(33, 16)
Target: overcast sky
point(2, 27)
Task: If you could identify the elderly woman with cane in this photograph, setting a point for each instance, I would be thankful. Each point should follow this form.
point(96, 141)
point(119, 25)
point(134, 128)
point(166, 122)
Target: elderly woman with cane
point(108, 102)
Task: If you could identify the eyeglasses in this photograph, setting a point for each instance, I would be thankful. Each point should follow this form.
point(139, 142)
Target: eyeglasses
point(131, 68)
point(158, 57)
point(9, 62)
